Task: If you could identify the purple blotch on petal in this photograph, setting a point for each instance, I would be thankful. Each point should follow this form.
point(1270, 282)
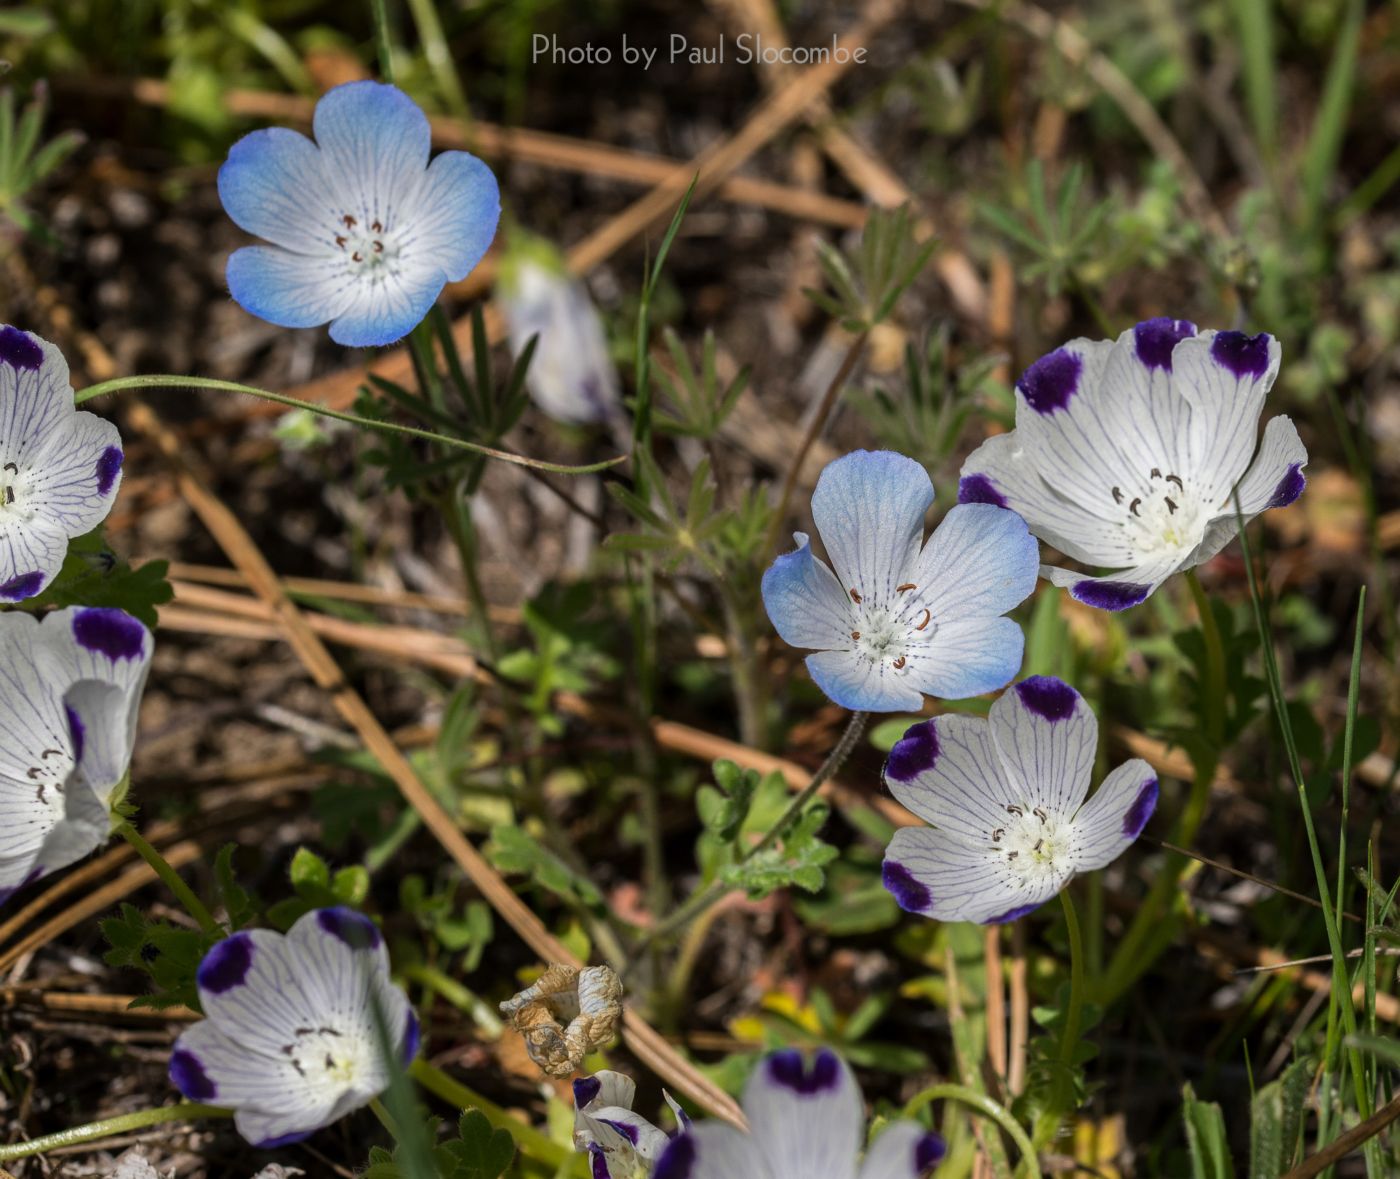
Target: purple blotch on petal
point(979, 489)
point(1110, 595)
point(26, 585)
point(355, 929)
point(1289, 488)
point(34, 874)
point(1244, 356)
point(1154, 340)
point(598, 1164)
point(412, 1033)
point(105, 630)
point(78, 730)
point(678, 1160)
point(631, 1133)
point(787, 1068)
point(109, 466)
point(1012, 914)
point(284, 1139)
point(1051, 381)
point(187, 1075)
point(1141, 810)
point(930, 1150)
point(913, 753)
point(226, 965)
point(1048, 697)
point(19, 350)
point(911, 894)
point(585, 1090)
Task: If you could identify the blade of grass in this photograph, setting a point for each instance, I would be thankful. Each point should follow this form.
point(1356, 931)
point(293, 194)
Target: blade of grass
point(1255, 25)
point(1329, 126)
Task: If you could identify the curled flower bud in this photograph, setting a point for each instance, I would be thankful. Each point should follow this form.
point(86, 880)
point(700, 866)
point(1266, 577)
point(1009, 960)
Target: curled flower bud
point(566, 1014)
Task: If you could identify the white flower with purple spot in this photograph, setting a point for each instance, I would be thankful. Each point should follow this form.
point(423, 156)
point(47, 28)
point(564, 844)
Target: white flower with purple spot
point(620, 1144)
point(1126, 453)
point(70, 691)
point(1006, 797)
point(572, 377)
point(363, 231)
point(808, 1122)
point(899, 618)
point(292, 1035)
point(60, 467)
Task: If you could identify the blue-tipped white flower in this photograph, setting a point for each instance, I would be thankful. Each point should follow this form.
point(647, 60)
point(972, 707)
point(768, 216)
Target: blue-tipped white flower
point(620, 1144)
point(60, 467)
point(572, 377)
point(1006, 797)
point(1125, 454)
point(363, 232)
point(70, 689)
point(808, 1122)
point(295, 1025)
point(899, 618)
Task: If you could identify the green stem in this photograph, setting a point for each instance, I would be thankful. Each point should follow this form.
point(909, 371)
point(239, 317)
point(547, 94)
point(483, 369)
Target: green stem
point(381, 39)
point(1070, 1040)
point(386, 1119)
point(1213, 691)
point(193, 905)
point(530, 1141)
point(988, 1109)
point(465, 1000)
point(120, 384)
point(110, 1127)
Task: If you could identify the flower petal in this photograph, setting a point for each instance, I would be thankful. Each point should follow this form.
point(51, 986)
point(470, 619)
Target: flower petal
point(290, 290)
point(374, 145)
point(451, 219)
point(980, 561)
point(1120, 590)
point(869, 509)
point(933, 873)
point(711, 1150)
point(1274, 480)
point(864, 685)
point(1225, 376)
point(947, 771)
point(805, 602)
point(807, 1114)
point(967, 657)
point(1047, 738)
point(385, 310)
point(1115, 816)
point(76, 475)
point(274, 185)
point(617, 1129)
point(904, 1150)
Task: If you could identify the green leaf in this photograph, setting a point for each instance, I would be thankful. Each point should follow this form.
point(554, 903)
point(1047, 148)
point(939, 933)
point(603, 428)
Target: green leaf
point(309, 870)
point(513, 850)
point(1205, 1136)
point(1276, 1122)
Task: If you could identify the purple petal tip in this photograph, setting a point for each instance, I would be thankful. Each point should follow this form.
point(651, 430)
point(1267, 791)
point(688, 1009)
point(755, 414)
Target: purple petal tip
point(109, 466)
point(354, 929)
point(1047, 697)
point(677, 1161)
point(585, 1090)
point(284, 1139)
point(1154, 340)
point(929, 1151)
point(1013, 914)
point(187, 1075)
point(26, 585)
point(978, 489)
point(104, 630)
point(1051, 381)
point(1141, 810)
point(913, 753)
point(226, 965)
point(787, 1068)
point(1242, 355)
point(1110, 595)
point(20, 350)
point(1289, 488)
point(911, 894)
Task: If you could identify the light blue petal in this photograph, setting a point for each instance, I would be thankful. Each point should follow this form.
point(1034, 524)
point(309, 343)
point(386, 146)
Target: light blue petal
point(969, 656)
point(805, 602)
point(980, 561)
point(374, 144)
point(382, 312)
point(869, 509)
point(453, 218)
point(863, 685)
point(273, 185)
point(290, 290)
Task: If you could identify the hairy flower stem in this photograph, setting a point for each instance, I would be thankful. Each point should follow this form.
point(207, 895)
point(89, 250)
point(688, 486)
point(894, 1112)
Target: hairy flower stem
point(1048, 1124)
point(186, 1111)
point(1029, 1166)
point(702, 900)
point(193, 905)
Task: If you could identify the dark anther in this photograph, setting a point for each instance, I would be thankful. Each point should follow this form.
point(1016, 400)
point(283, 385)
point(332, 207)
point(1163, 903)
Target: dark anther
point(1039, 843)
point(855, 597)
point(997, 834)
point(34, 772)
point(928, 617)
point(1156, 474)
point(330, 1061)
point(855, 634)
point(48, 753)
point(9, 495)
point(376, 227)
point(349, 221)
point(1039, 814)
point(1012, 855)
point(378, 247)
point(1171, 507)
point(1117, 496)
point(899, 663)
point(11, 468)
point(1132, 507)
point(1013, 809)
point(340, 241)
point(908, 585)
point(1177, 480)
point(355, 257)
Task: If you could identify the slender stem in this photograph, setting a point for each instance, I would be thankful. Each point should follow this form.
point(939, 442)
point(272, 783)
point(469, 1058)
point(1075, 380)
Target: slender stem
point(193, 905)
point(1070, 1040)
point(530, 1141)
point(186, 1111)
point(462, 998)
point(1342, 1146)
point(120, 384)
point(1213, 695)
point(386, 1119)
point(988, 1109)
point(381, 39)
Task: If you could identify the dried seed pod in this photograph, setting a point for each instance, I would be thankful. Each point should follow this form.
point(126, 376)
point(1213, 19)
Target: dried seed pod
point(566, 1014)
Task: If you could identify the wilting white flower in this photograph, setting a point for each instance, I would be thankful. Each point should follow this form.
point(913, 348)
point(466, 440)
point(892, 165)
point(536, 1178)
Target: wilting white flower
point(292, 1039)
point(899, 618)
point(70, 689)
point(1006, 796)
point(363, 232)
point(566, 1014)
point(808, 1122)
point(621, 1144)
point(1126, 452)
point(60, 467)
point(572, 378)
